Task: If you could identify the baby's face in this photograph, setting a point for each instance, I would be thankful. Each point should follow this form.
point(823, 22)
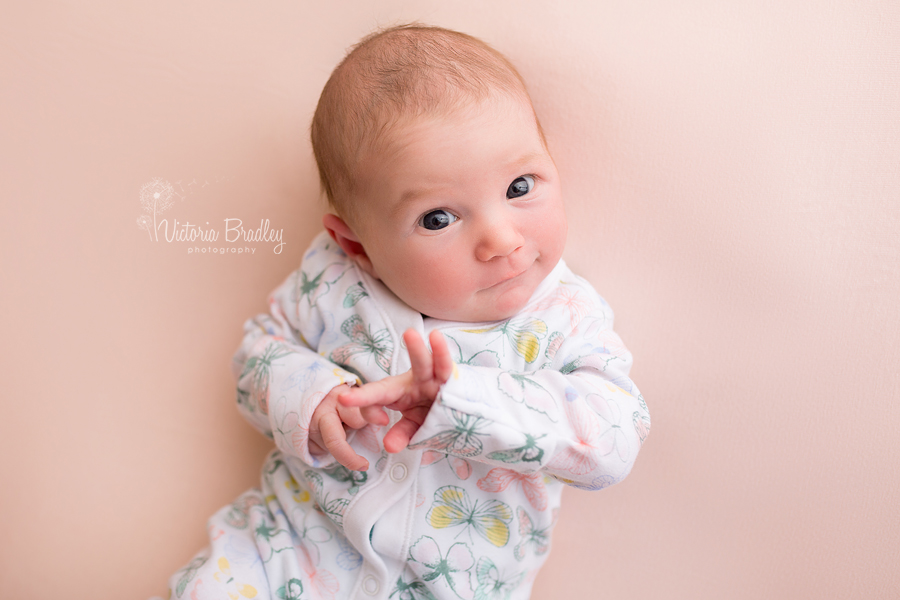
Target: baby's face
point(462, 216)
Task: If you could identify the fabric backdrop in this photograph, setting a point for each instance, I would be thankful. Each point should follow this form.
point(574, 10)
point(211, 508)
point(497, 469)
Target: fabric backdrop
point(731, 173)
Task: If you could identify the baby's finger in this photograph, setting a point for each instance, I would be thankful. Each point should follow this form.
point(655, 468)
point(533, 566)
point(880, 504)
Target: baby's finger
point(382, 392)
point(374, 415)
point(419, 356)
point(402, 432)
point(350, 416)
point(443, 363)
point(331, 429)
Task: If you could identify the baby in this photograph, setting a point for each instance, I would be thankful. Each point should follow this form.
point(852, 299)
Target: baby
point(449, 226)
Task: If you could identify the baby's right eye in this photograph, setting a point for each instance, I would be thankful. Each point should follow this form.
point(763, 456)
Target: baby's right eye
point(436, 219)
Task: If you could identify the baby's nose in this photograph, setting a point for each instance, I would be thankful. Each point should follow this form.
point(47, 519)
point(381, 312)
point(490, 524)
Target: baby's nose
point(498, 241)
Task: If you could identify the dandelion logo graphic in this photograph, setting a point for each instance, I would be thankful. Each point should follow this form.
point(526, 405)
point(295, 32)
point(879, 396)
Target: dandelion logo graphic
point(156, 198)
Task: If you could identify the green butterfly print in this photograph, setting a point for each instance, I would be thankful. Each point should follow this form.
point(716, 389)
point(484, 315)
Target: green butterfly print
point(333, 509)
point(309, 537)
point(292, 590)
point(531, 537)
point(452, 507)
point(264, 535)
point(524, 334)
point(643, 403)
point(259, 369)
point(453, 568)
point(378, 345)
point(189, 572)
point(318, 286)
point(414, 590)
point(490, 585)
point(343, 474)
point(355, 293)
point(462, 440)
point(525, 390)
point(482, 358)
point(530, 452)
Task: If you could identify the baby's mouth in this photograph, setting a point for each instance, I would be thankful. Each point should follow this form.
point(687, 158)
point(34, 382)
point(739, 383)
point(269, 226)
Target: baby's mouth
point(510, 277)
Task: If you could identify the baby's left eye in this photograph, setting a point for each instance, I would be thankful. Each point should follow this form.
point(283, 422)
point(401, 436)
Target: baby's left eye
point(520, 186)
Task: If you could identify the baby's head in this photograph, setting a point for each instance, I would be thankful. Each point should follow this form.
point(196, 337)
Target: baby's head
point(431, 155)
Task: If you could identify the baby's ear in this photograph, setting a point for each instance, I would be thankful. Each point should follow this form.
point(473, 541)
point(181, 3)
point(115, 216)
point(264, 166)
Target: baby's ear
point(349, 242)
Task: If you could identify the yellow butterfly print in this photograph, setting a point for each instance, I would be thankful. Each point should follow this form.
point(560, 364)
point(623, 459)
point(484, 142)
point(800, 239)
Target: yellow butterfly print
point(452, 507)
point(523, 334)
point(223, 575)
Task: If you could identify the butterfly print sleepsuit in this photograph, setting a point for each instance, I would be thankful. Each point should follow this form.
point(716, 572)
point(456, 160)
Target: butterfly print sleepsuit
point(535, 402)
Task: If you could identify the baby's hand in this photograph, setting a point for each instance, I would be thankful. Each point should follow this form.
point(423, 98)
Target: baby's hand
point(328, 430)
point(411, 393)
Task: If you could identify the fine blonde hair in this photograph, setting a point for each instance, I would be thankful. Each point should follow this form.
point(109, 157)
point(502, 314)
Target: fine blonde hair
point(393, 75)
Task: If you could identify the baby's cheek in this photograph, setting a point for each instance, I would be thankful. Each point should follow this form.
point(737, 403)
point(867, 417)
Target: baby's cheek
point(442, 284)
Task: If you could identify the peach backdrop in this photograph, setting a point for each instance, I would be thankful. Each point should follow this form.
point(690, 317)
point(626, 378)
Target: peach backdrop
point(732, 177)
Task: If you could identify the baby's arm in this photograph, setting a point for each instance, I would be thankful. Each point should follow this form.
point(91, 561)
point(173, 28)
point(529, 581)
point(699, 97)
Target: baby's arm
point(581, 420)
point(283, 382)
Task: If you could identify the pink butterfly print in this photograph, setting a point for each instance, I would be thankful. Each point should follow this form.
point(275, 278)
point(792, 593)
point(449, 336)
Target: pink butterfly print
point(215, 533)
point(201, 591)
point(325, 585)
point(579, 458)
point(292, 430)
point(498, 479)
point(538, 540)
point(612, 437)
point(571, 300)
point(460, 466)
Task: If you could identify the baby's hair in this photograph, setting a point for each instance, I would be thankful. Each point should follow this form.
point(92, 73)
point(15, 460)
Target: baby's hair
point(396, 74)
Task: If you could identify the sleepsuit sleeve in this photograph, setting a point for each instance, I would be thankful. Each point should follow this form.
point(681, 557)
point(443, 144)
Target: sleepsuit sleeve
point(580, 419)
point(281, 378)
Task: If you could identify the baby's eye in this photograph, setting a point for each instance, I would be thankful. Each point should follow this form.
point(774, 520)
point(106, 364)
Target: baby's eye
point(520, 186)
point(437, 219)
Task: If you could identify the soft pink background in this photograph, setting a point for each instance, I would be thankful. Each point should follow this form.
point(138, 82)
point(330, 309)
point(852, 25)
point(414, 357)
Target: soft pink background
point(732, 177)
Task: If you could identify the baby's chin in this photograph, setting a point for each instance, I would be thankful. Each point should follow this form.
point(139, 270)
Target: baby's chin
point(494, 309)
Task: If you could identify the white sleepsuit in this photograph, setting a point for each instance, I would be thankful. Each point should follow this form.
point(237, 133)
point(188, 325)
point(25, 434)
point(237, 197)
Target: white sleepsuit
point(466, 511)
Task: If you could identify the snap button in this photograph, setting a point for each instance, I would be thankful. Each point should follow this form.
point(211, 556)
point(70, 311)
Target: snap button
point(370, 585)
point(398, 472)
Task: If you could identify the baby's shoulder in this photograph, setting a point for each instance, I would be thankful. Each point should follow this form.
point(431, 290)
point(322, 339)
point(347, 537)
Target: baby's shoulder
point(323, 269)
point(566, 299)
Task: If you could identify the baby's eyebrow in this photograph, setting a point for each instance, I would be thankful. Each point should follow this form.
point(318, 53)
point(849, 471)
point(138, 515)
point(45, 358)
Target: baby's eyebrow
point(527, 159)
point(413, 194)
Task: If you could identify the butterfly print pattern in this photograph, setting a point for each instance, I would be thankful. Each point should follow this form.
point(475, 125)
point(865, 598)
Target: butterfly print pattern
point(538, 401)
